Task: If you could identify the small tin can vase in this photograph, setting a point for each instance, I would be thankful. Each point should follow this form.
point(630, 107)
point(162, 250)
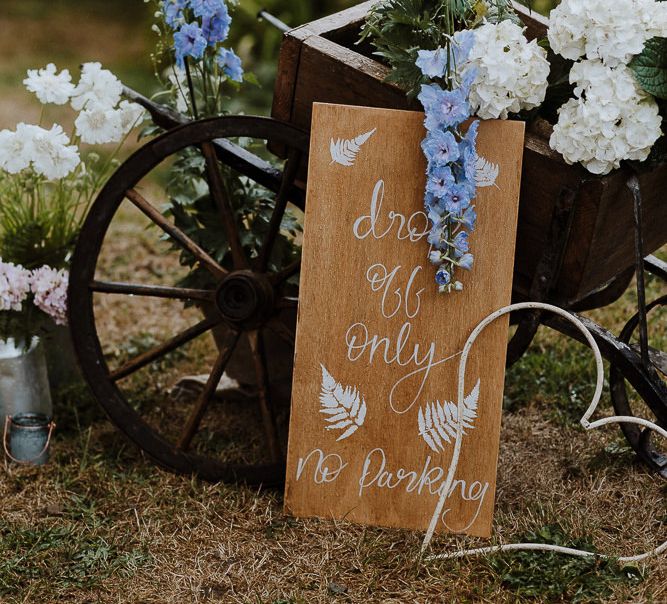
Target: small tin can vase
point(25, 401)
point(27, 437)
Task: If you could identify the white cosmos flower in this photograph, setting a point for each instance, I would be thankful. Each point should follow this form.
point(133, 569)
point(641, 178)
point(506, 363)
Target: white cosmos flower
point(99, 124)
point(16, 148)
point(130, 115)
point(49, 86)
point(511, 72)
point(52, 155)
point(97, 86)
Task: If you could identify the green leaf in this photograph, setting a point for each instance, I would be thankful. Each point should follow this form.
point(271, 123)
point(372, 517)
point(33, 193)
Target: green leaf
point(650, 67)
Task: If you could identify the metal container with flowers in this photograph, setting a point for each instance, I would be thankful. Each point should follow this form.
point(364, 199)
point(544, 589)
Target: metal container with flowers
point(48, 178)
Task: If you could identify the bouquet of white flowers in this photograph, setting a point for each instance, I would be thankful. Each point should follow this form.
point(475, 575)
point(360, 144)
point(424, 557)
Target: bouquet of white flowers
point(47, 182)
point(599, 78)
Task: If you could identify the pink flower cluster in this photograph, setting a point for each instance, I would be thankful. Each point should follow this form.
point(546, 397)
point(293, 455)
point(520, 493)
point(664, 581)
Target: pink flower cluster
point(14, 286)
point(48, 286)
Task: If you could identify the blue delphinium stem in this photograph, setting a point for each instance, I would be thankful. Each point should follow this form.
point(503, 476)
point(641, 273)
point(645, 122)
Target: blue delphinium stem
point(451, 153)
point(191, 87)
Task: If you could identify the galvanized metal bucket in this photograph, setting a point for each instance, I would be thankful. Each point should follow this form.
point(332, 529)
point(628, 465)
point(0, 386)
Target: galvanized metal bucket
point(27, 437)
point(24, 381)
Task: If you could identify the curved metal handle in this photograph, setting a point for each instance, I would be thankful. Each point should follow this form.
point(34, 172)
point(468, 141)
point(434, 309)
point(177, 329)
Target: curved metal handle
point(8, 420)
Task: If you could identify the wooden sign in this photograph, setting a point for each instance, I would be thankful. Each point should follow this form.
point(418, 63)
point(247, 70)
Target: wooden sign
point(375, 383)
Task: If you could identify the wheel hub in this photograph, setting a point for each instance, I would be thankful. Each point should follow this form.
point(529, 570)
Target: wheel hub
point(245, 299)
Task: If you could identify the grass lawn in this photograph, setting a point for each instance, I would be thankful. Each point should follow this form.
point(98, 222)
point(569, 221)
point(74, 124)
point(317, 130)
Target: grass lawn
point(101, 523)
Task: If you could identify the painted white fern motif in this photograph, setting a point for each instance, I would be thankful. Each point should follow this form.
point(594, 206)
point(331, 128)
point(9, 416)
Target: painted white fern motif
point(487, 172)
point(344, 408)
point(344, 152)
point(438, 421)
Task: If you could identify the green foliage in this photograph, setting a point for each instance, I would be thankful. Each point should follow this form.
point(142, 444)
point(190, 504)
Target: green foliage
point(62, 555)
point(398, 29)
point(557, 578)
point(650, 67)
point(190, 204)
point(196, 214)
point(557, 377)
point(40, 220)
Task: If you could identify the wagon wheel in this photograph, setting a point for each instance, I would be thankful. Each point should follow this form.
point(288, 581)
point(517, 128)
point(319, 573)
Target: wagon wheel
point(247, 297)
point(640, 438)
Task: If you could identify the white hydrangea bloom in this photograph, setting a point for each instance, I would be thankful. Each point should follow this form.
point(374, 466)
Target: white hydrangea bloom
point(14, 286)
point(49, 287)
point(52, 155)
point(49, 86)
point(599, 29)
point(130, 115)
point(611, 120)
point(16, 148)
point(97, 86)
point(99, 124)
point(512, 72)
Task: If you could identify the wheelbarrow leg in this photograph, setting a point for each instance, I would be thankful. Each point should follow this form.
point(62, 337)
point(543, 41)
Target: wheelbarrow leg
point(547, 274)
point(651, 362)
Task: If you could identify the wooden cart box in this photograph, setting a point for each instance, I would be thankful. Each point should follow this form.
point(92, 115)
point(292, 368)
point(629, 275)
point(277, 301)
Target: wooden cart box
point(320, 61)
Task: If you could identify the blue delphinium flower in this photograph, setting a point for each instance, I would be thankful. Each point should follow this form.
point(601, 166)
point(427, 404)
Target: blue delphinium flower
point(443, 277)
point(432, 63)
point(441, 147)
point(468, 219)
point(230, 63)
point(469, 140)
point(456, 198)
point(469, 163)
point(440, 180)
point(189, 41)
point(461, 244)
point(449, 108)
point(462, 45)
point(466, 261)
point(435, 257)
point(428, 96)
point(216, 25)
point(451, 152)
point(207, 8)
point(173, 12)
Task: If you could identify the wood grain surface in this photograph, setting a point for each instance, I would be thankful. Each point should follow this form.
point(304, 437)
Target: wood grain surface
point(371, 320)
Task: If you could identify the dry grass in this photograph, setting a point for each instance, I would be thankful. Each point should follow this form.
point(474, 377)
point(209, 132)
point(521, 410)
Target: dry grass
point(103, 524)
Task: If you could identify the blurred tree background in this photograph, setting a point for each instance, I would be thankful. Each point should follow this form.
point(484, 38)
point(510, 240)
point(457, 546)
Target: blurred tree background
point(118, 34)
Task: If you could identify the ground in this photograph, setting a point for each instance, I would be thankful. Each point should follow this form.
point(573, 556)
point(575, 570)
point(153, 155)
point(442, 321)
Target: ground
point(101, 523)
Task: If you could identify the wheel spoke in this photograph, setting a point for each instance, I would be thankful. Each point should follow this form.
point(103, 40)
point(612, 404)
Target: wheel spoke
point(290, 270)
point(268, 419)
point(163, 349)
point(291, 169)
point(223, 203)
point(154, 291)
point(175, 233)
point(282, 330)
point(192, 425)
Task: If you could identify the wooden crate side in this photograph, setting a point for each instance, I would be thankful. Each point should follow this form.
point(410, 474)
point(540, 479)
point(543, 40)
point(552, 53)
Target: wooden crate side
point(330, 73)
point(612, 242)
point(286, 77)
point(350, 17)
point(543, 183)
point(572, 284)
